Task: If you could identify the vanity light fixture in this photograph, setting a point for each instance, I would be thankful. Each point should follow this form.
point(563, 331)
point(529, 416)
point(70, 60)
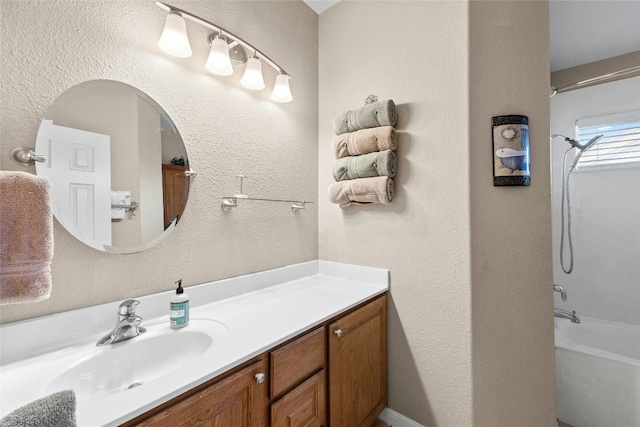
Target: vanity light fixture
point(252, 77)
point(219, 61)
point(281, 91)
point(174, 38)
point(226, 48)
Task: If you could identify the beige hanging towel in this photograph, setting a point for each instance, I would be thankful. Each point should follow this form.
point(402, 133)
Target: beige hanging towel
point(383, 113)
point(378, 189)
point(364, 141)
point(26, 238)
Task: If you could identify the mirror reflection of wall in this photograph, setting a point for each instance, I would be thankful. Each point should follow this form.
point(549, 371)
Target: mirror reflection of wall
point(142, 138)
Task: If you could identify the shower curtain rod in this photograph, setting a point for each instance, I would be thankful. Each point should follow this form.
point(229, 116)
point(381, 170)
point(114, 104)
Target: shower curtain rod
point(595, 80)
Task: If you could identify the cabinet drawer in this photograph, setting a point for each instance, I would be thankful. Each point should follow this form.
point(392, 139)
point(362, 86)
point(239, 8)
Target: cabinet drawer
point(304, 406)
point(296, 361)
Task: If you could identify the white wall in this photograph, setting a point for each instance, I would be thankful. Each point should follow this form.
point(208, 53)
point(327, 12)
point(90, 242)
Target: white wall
point(416, 54)
point(605, 213)
point(50, 45)
point(512, 292)
point(470, 314)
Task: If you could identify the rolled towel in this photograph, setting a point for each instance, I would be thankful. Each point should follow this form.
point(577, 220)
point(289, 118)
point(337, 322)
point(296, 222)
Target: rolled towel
point(360, 191)
point(381, 113)
point(364, 141)
point(55, 410)
point(382, 163)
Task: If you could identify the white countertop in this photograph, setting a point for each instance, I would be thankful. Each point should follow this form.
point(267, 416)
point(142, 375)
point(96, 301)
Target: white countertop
point(259, 311)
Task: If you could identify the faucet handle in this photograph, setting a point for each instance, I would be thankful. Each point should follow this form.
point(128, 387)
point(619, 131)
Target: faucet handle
point(128, 307)
point(563, 293)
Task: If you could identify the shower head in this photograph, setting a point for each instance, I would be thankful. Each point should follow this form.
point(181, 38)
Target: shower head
point(589, 143)
point(575, 144)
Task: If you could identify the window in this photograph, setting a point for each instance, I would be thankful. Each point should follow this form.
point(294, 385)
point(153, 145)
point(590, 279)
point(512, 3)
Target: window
point(619, 145)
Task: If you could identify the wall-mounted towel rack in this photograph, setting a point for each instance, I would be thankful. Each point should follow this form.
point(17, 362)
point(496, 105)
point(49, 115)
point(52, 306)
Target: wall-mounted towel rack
point(231, 202)
point(132, 208)
point(26, 156)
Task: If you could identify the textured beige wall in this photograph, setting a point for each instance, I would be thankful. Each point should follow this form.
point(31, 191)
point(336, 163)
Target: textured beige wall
point(511, 256)
point(49, 46)
point(416, 54)
point(470, 316)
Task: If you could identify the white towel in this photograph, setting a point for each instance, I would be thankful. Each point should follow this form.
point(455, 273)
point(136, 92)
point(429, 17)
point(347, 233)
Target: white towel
point(119, 198)
point(26, 243)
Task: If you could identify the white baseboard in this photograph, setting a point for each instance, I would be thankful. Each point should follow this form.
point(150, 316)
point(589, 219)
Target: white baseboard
point(395, 419)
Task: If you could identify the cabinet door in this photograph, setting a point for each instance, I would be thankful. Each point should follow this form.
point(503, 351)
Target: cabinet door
point(303, 406)
point(358, 366)
point(236, 401)
point(175, 191)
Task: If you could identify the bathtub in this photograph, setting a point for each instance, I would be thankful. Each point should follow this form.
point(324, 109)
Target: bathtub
point(512, 159)
point(597, 373)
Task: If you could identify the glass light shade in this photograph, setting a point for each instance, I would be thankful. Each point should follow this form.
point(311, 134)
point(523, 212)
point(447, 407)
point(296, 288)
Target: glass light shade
point(174, 40)
point(281, 91)
point(219, 62)
point(252, 78)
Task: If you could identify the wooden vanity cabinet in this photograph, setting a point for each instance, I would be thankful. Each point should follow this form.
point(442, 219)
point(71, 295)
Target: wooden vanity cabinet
point(238, 400)
point(358, 366)
point(332, 376)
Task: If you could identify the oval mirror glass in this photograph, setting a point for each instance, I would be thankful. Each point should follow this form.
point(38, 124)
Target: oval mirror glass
point(117, 166)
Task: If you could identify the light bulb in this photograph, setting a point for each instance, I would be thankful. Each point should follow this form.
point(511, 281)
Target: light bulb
point(219, 62)
point(252, 78)
point(281, 91)
point(174, 40)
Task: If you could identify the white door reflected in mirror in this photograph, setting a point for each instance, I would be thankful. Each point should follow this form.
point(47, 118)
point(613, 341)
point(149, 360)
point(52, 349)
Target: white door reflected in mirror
point(79, 167)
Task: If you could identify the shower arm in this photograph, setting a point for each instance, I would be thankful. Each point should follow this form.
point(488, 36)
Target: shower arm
point(576, 144)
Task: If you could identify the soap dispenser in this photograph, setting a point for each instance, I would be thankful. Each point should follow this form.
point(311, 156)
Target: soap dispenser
point(179, 308)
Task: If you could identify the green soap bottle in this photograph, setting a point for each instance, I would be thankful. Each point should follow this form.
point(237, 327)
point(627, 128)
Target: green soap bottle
point(179, 316)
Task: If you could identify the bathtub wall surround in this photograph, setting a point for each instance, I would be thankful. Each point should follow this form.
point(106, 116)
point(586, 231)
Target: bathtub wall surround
point(223, 133)
point(605, 213)
point(175, 41)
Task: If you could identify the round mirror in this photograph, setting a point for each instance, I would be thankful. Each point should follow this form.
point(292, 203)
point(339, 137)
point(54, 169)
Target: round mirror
point(117, 165)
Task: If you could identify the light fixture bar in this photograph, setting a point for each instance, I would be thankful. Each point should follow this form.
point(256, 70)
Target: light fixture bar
point(227, 34)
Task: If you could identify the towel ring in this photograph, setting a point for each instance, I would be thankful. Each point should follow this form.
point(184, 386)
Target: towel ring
point(26, 157)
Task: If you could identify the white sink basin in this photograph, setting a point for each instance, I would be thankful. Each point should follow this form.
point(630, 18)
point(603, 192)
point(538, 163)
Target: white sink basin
point(136, 362)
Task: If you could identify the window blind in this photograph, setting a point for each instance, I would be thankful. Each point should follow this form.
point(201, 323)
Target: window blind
point(619, 145)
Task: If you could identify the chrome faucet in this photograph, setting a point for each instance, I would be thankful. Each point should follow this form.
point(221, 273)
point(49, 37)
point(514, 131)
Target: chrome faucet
point(563, 293)
point(127, 324)
point(564, 314)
